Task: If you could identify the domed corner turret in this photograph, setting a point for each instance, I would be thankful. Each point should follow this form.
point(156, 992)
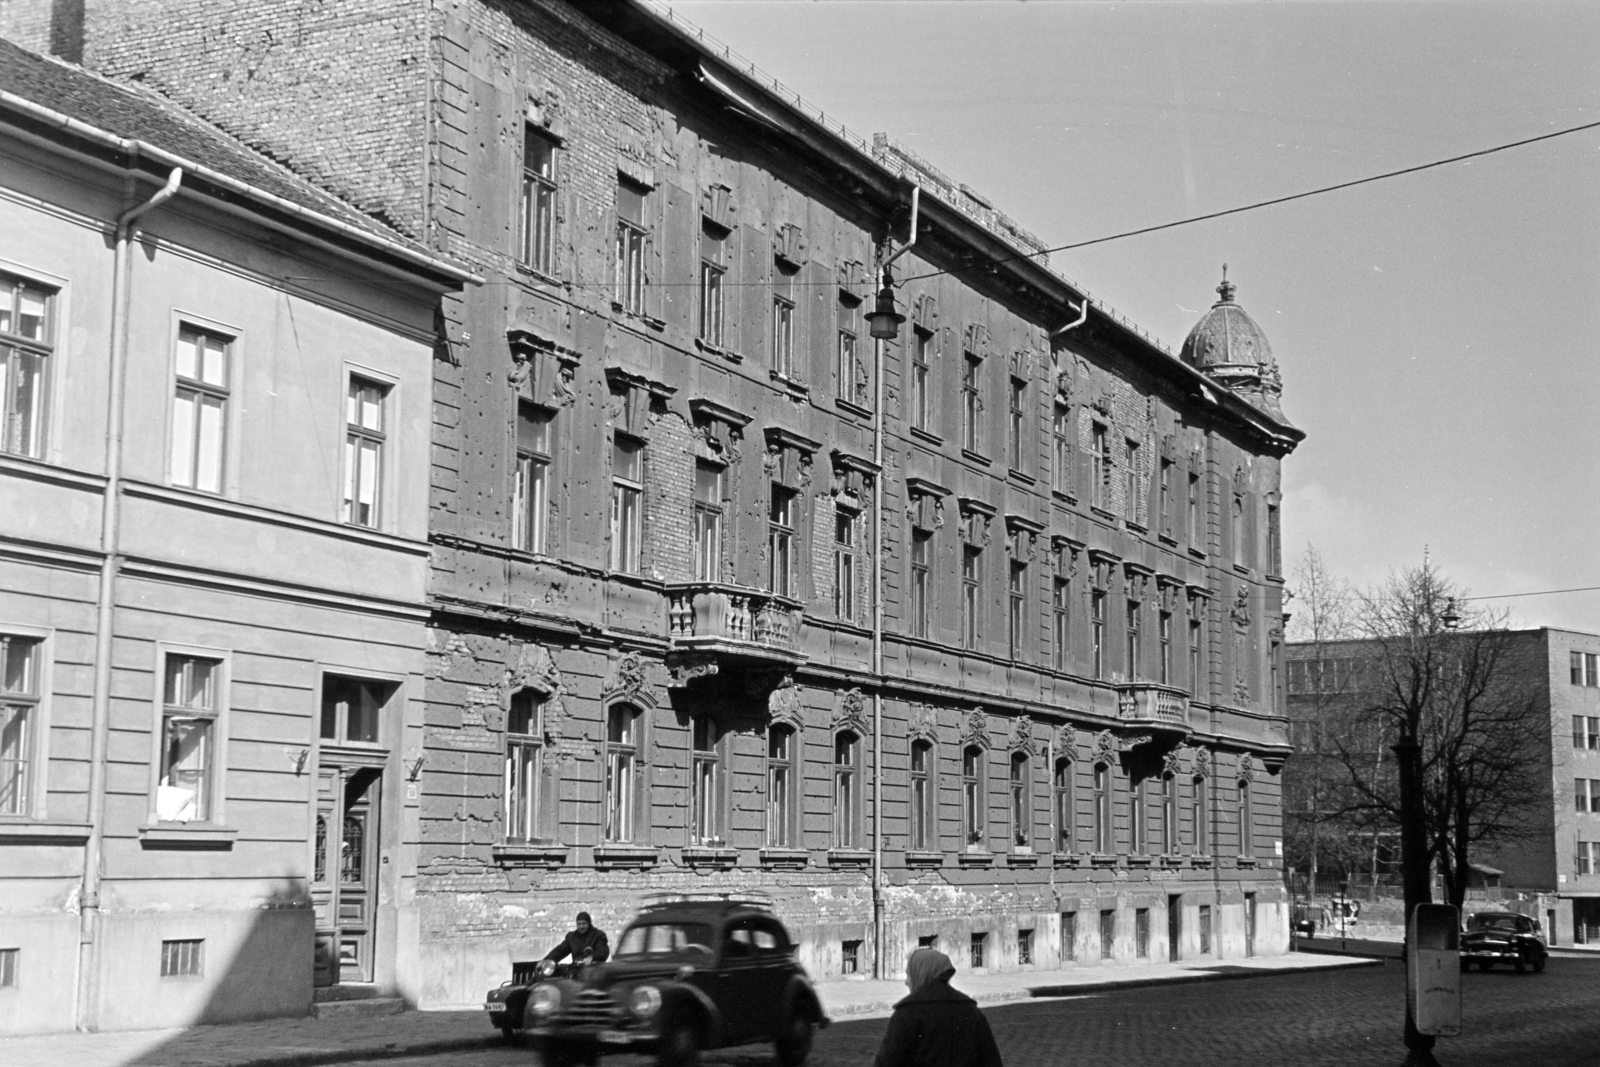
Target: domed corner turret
point(1228, 347)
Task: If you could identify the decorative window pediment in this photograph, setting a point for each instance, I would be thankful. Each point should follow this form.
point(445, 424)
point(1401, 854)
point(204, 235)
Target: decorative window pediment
point(722, 427)
point(783, 704)
point(789, 245)
point(788, 457)
point(1202, 763)
point(925, 313)
point(629, 680)
point(923, 724)
point(925, 503)
point(853, 476)
point(717, 206)
point(975, 339)
point(636, 394)
point(1022, 739)
point(542, 370)
point(976, 516)
point(1105, 749)
point(975, 728)
point(851, 714)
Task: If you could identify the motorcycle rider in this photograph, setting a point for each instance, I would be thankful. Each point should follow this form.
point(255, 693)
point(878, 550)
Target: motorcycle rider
point(586, 944)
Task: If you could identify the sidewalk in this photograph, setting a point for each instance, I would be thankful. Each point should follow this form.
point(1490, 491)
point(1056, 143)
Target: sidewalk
point(307, 1041)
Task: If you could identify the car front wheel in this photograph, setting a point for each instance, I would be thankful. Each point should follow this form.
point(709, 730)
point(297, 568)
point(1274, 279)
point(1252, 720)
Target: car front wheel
point(795, 1045)
point(551, 1053)
point(1538, 964)
point(680, 1046)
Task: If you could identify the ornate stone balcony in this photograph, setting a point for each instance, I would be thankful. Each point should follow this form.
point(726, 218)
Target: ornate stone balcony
point(1149, 706)
point(709, 623)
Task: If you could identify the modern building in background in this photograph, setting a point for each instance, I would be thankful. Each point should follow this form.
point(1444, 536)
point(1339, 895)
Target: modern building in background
point(214, 432)
point(1555, 868)
point(968, 636)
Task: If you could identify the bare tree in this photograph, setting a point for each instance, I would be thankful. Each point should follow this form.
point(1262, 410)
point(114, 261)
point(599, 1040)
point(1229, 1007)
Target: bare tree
point(1473, 701)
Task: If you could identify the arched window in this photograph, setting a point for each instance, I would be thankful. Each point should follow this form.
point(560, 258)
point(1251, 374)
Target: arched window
point(706, 784)
point(972, 799)
point(622, 772)
point(780, 786)
point(1247, 823)
point(1066, 838)
point(1200, 812)
point(524, 766)
point(923, 836)
point(846, 798)
point(1102, 809)
point(1021, 804)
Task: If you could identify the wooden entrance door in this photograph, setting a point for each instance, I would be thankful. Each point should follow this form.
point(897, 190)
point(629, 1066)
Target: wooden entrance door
point(344, 889)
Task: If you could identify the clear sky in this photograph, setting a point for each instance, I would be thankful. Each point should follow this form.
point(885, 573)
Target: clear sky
point(1439, 333)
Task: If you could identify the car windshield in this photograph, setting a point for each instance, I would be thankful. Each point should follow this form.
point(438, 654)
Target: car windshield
point(646, 940)
point(1514, 924)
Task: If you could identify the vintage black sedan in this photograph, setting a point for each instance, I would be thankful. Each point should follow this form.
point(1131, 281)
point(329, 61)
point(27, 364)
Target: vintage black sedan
point(1493, 937)
point(687, 975)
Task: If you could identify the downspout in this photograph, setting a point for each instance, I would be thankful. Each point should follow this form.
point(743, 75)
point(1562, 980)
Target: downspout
point(110, 514)
point(879, 349)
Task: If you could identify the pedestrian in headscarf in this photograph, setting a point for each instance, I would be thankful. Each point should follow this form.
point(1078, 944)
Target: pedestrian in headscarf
point(936, 1026)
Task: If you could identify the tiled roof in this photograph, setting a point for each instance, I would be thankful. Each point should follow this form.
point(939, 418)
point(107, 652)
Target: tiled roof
point(138, 113)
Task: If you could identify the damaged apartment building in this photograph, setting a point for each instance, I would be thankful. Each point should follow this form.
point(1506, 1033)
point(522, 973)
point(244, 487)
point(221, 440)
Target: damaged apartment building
point(964, 636)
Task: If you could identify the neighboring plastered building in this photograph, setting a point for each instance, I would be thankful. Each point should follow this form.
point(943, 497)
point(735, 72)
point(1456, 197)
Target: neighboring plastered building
point(969, 638)
point(214, 432)
point(1552, 871)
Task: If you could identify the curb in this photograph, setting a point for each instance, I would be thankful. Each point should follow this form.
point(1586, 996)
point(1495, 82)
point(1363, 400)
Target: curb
point(383, 1052)
point(857, 1011)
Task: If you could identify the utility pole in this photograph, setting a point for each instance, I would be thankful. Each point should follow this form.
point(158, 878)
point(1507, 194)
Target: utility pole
point(1413, 868)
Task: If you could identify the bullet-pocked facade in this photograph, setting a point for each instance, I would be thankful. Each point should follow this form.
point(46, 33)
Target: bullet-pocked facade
point(965, 638)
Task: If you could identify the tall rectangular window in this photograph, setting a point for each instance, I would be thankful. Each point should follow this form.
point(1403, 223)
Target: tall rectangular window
point(1108, 932)
point(1195, 529)
point(1236, 531)
point(1065, 811)
point(1021, 804)
point(975, 956)
point(537, 214)
point(853, 378)
point(846, 792)
point(1017, 617)
point(1581, 792)
point(1274, 541)
point(1103, 840)
point(1196, 661)
point(19, 716)
point(921, 562)
point(1591, 670)
point(1139, 815)
point(1069, 936)
point(1135, 648)
point(363, 450)
point(921, 355)
point(705, 784)
point(1164, 493)
point(780, 540)
point(713, 271)
point(8, 967)
point(1060, 620)
point(190, 708)
point(627, 502)
point(530, 491)
point(1100, 468)
point(1130, 492)
point(845, 528)
point(971, 594)
point(199, 410)
point(1017, 426)
point(1169, 814)
point(622, 753)
point(708, 478)
point(524, 769)
point(780, 786)
point(1247, 822)
point(1575, 659)
point(972, 798)
point(1141, 932)
point(632, 232)
point(1205, 929)
point(1165, 636)
point(1200, 815)
point(921, 797)
point(1097, 633)
point(27, 341)
point(783, 321)
point(971, 402)
point(1061, 450)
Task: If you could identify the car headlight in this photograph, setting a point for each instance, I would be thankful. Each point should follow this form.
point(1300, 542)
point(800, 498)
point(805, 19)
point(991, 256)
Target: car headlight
point(545, 969)
point(644, 1001)
point(544, 999)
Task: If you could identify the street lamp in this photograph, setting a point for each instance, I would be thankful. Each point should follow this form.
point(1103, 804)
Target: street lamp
point(883, 321)
point(1450, 617)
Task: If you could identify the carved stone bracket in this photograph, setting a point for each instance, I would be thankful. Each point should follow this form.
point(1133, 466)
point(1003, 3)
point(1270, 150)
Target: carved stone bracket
point(1066, 742)
point(1247, 769)
point(1022, 739)
point(1105, 748)
point(1204, 766)
point(1172, 763)
point(689, 668)
point(783, 703)
point(851, 714)
point(975, 728)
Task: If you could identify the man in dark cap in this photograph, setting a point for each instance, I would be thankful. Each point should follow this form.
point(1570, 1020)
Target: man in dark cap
point(584, 945)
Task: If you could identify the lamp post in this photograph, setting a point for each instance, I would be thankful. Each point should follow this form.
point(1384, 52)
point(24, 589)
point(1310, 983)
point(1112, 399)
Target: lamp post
point(883, 321)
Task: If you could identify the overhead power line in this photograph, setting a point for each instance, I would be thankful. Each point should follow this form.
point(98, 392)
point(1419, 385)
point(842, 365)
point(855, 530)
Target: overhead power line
point(1538, 592)
point(1265, 203)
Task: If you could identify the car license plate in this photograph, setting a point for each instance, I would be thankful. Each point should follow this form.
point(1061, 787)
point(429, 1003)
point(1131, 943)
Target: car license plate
point(616, 1037)
point(494, 1006)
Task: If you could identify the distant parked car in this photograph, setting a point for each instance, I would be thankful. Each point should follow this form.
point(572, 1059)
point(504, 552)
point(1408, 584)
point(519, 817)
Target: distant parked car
point(1493, 937)
point(688, 974)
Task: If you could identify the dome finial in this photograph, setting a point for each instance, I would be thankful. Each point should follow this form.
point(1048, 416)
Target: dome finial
point(1227, 288)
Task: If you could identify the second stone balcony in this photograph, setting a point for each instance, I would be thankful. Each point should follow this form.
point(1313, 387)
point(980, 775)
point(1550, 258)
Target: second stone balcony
point(1149, 706)
point(717, 622)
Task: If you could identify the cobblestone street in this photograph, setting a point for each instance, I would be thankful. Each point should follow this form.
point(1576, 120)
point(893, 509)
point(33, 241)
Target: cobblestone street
point(1348, 1019)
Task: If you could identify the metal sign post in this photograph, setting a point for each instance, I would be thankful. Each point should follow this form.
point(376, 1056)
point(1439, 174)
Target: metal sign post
point(1433, 969)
